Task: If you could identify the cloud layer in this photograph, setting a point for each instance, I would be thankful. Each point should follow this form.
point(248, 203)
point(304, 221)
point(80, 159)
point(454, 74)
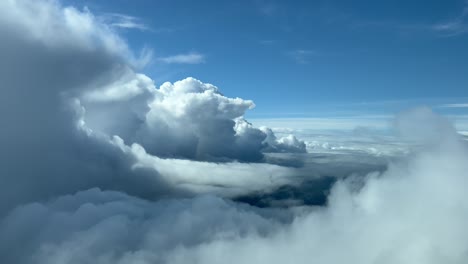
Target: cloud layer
point(98, 165)
point(413, 213)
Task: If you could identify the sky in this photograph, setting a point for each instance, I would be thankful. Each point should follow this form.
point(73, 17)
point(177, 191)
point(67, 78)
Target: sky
point(306, 58)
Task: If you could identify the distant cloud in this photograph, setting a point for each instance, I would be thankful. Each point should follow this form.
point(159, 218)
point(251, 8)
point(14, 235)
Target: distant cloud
point(463, 105)
point(341, 123)
point(189, 58)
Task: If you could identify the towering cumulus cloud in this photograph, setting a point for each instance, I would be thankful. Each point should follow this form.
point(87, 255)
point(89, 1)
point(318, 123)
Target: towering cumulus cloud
point(72, 106)
point(187, 119)
point(98, 165)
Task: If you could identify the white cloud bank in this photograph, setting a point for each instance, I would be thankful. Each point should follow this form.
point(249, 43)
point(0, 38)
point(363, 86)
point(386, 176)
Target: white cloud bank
point(86, 176)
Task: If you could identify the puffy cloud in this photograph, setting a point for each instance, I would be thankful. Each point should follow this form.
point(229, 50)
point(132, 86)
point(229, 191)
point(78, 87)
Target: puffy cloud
point(422, 126)
point(111, 227)
point(186, 119)
point(287, 143)
point(191, 119)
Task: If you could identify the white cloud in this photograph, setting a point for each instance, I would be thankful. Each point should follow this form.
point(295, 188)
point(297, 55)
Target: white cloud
point(124, 21)
point(287, 143)
point(189, 58)
point(462, 105)
point(420, 125)
point(56, 26)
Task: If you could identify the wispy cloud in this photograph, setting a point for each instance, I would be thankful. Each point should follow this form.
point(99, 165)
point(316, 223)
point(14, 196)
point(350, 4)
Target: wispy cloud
point(303, 56)
point(124, 21)
point(462, 105)
point(449, 27)
point(189, 58)
point(454, 27)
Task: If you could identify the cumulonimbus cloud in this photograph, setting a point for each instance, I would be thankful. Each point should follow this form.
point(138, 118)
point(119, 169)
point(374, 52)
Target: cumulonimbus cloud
point(68, 89)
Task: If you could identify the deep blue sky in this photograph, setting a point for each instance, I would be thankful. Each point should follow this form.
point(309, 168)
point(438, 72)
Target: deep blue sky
point(308, 57)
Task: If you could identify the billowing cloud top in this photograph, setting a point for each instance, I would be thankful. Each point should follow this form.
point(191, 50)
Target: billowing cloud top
point(186, 119)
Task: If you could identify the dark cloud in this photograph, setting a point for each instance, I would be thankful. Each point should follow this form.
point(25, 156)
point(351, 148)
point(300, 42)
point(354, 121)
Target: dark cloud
point(110, 227)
